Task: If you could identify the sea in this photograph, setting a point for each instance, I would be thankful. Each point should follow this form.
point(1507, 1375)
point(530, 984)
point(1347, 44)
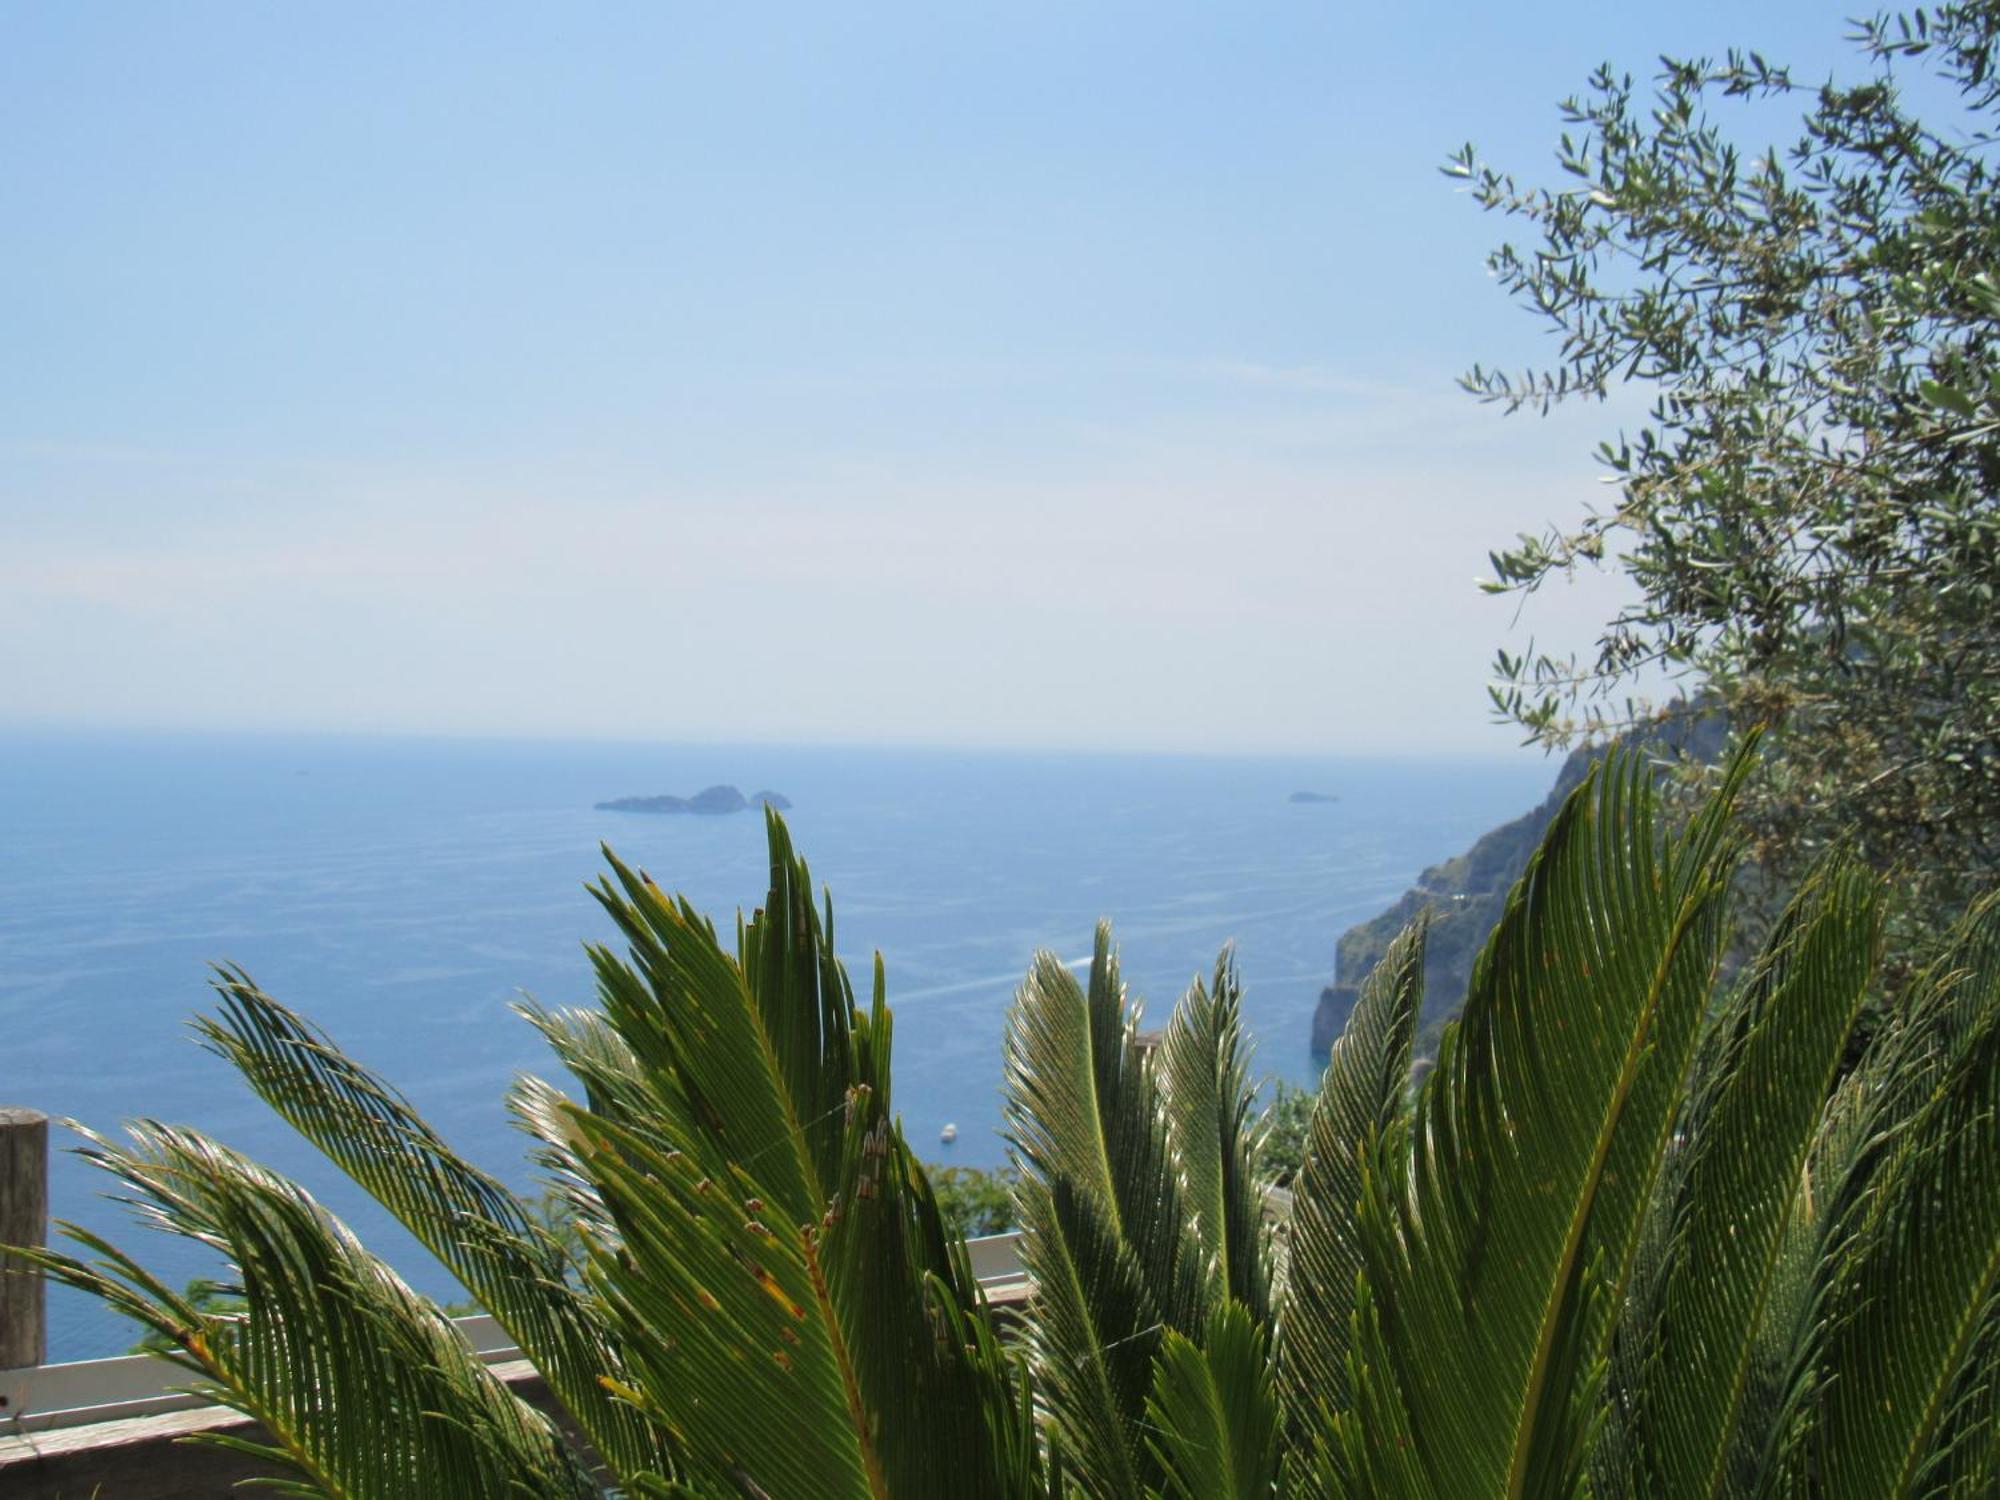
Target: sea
point(405, 892)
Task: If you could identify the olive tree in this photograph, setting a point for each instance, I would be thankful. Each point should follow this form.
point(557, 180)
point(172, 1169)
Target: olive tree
point(1807, 509)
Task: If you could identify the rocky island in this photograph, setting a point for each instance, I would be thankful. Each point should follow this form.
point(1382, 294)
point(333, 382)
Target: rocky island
point(711, 802)
point(1312, 797)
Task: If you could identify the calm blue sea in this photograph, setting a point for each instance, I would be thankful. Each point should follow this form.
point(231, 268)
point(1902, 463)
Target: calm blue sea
point(405, 891)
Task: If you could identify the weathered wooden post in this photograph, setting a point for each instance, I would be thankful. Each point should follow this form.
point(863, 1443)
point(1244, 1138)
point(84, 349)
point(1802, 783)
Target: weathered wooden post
point(24, 1219)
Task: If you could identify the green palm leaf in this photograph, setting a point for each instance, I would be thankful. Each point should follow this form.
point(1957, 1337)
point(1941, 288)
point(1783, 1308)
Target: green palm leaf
point(748, 1163)
point(1500, 1232)
point(519, 1273)
point(684, 1006)
point(1102, 1206)
point(1096, 1324)
point(752, 1069)
point(1375, 1449)
point(1213, 1413)
point(597, 1056)
point(1694, 1402)
point(755, 1377)
point(1083, 1105)
point(1207, 1097)
point(806, 1004)
point(367, 1387)
point(1895, 1393)
point(1361, 1092)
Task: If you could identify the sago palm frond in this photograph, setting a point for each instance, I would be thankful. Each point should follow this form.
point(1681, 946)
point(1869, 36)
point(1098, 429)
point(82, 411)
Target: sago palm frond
point(1096, 1325)
point(1692, 1401)
point(1894, 1393)
point(367, 1388)
point(615, 1088)
point(1084, 1106)
point(516, 1269)
point(1104, 1209)
point(1498, 1225)
point(1212, 1419)
point(1207, 1098)
point(1361, 1092)
point(594, 1053)
point(733, 1161)
point(777, 1249)
point(1141, 1208)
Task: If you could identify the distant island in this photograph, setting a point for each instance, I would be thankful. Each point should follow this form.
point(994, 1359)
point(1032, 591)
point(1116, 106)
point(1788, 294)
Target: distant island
point(712, 802)
point(1312, 797)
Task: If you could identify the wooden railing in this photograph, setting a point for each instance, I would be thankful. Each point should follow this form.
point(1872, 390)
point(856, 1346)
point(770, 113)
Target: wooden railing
point(77, 1393)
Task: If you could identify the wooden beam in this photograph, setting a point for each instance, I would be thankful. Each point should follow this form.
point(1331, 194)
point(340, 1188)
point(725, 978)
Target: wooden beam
point(24, 1220)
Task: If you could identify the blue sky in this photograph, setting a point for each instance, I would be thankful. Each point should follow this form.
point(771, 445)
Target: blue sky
point(1073, 375)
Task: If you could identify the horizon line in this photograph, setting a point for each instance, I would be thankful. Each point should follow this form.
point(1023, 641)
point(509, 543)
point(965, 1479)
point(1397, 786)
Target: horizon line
point(84, 729)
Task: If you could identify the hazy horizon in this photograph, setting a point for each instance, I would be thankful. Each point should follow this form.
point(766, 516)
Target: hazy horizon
point(1512, 751)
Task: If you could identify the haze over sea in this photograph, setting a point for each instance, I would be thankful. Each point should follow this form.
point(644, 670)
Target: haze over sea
point(403, 892)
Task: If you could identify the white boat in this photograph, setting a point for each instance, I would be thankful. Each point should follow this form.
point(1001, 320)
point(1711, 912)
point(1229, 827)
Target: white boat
point(948, 1134)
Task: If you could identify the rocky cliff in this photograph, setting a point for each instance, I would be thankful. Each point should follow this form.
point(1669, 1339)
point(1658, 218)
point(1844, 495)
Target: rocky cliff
point(1465, 894)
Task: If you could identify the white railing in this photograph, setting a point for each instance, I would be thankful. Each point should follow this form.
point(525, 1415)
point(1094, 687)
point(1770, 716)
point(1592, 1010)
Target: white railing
point(45, 1398)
